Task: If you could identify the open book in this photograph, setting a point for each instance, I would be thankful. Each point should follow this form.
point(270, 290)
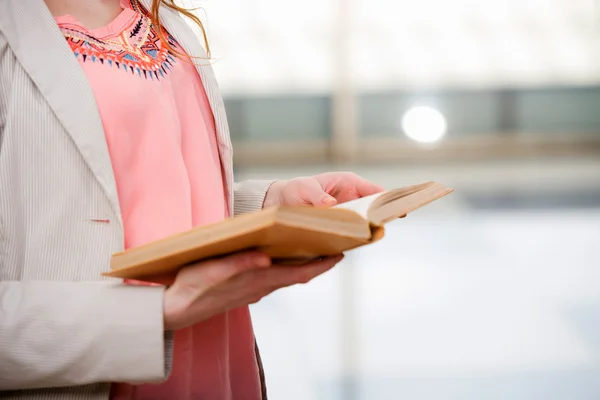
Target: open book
point(288, 234)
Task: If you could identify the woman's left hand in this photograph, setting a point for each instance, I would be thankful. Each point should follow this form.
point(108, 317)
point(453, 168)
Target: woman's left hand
point(326, 189)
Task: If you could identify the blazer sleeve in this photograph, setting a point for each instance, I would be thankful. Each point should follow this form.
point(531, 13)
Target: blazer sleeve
point(249, 196)
point(55, 334)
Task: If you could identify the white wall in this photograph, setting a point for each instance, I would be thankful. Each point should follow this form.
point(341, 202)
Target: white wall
point(265, 46)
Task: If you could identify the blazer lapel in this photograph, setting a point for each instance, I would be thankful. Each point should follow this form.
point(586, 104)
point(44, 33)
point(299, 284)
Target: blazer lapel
point(44, 53)
point(185, 36)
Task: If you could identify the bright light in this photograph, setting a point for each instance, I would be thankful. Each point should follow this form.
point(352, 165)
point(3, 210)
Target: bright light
point(424, 124)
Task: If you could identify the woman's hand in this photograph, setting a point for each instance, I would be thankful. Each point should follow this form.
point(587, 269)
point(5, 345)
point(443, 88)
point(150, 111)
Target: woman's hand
point(212, 287)
point(326, 189)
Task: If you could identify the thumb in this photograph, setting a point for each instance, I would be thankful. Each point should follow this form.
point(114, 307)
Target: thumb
point(313, 193)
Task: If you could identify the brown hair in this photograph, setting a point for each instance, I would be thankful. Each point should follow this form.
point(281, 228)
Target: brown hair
point(156, 4)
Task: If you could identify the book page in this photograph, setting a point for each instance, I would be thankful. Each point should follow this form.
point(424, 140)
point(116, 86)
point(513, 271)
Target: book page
point(400, 202)
point(362, 205)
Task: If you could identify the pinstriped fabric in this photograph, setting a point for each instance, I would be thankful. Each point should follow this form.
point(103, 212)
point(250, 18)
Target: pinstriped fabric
point(48, 197)
point(250, 195)
point(50, 193)
point(88, 392)
point(55, 180)
point(49, 62)
point(44, 170)
point(5, 71)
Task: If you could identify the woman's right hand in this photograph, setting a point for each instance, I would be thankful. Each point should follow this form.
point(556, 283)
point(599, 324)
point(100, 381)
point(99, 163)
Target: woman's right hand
point(203, 290)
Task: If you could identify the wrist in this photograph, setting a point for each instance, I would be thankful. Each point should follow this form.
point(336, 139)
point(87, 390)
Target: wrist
point(174, 307)
point(273, 196)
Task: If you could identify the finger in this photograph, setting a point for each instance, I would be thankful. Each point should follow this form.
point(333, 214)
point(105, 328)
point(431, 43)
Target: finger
point(364, 187)
point(310, 272)
point(249, 287)
point(227, 267)
point(154, 280)
point(145, 282)
point(213, 272)
point(346, 186)
point(291, 275)
point(311, 192)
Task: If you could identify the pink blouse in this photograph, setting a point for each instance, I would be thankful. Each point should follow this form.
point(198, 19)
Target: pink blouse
point(161, 137)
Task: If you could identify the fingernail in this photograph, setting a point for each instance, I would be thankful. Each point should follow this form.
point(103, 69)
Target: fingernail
point(328, 200)
point(334, 259)
point(263, 261)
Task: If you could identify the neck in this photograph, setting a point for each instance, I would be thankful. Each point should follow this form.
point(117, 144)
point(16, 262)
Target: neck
point(91, 13)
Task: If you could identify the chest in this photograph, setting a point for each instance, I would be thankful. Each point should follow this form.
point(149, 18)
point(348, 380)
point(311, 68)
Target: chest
point(53, 78)
point(56, 173)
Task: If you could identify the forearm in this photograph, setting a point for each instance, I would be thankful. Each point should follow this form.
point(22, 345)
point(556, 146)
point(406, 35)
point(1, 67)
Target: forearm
point(56, 334)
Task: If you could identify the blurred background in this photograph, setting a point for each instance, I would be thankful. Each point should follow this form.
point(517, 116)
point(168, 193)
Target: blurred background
point(490, 293)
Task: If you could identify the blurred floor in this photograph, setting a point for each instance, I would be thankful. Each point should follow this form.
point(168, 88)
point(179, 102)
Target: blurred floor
point(492, 293)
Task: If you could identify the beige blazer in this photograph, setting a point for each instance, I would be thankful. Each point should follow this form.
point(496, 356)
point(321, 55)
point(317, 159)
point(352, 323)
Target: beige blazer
point(64, 330)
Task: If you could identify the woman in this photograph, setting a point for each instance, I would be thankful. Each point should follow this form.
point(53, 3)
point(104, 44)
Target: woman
point(111, 138)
